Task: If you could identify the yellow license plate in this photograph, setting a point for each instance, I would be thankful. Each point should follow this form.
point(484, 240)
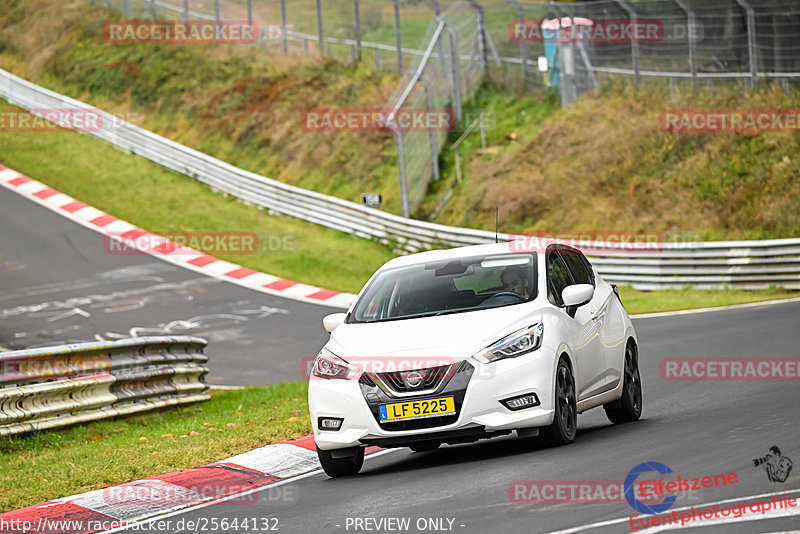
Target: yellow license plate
point(418, 409)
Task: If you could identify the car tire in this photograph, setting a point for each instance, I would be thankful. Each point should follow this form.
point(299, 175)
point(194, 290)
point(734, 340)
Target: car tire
point(341, 467)
point(425, 446)
point(565, 419)
point(629, 407)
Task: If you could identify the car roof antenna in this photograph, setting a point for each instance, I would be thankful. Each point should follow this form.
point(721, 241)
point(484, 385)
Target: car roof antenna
point(496, 209)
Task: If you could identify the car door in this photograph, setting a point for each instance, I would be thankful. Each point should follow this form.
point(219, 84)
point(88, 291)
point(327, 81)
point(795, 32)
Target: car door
point(590, 365)
point(607, 330)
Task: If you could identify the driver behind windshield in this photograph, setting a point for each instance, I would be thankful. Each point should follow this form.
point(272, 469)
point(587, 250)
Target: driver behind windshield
point(514, 279)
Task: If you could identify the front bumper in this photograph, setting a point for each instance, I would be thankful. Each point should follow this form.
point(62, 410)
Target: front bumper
point(478, 395)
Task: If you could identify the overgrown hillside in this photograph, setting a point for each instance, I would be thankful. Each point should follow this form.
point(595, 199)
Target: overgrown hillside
point(604, 163)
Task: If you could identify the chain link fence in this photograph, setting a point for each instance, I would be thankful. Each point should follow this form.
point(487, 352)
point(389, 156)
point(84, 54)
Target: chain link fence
point(444, 50)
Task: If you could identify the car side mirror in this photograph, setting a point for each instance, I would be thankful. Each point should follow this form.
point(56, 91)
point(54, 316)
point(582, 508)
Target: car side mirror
point(576, 296)
point(330, 322)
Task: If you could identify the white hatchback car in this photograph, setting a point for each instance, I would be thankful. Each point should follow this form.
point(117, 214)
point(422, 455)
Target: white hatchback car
point(451, 346)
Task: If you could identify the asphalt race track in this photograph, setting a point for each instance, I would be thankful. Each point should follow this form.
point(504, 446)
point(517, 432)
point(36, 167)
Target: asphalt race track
point(695, 428)
point(59, 285)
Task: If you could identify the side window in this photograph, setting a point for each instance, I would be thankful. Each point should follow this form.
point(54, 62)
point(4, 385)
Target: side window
point(557, 276)
point(578, 266)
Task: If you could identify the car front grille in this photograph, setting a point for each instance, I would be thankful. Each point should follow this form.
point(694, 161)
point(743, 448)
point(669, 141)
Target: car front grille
point(444, 381)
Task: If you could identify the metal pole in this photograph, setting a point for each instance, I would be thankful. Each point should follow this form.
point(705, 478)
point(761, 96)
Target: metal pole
point(481, 30)
point(319, 29)
point(153, 9)
point(217, 16)
point(483, 133)
point(186, 10)
point(284, 37)
point(358, 30)
point(523, 46)
point(692, 29)
point(126, 8)
point(377, 59)
point(751, 39)
point(397, 36)
point(432, 134)
point(435, 5)
point(637, 76)
point(455, 66)
point(401, 166)
point(250, 12)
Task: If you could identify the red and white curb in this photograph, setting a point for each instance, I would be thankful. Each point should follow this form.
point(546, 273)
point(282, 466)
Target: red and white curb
point(113, 507)
point(114, 228)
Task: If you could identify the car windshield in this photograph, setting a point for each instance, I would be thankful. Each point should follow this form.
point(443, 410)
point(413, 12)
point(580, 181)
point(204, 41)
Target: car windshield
point(448, 286)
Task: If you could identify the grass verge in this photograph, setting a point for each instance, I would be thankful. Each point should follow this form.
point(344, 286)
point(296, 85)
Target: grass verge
point(161, 201)
point(636, 301)
point(42, 466)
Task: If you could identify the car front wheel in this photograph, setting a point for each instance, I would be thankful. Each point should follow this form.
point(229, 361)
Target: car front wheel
point(565, 419)
point(341, 467)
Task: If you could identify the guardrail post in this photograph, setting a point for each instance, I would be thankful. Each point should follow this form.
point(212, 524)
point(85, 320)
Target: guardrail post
point(401, 167)
point(691, 20)
point(377, 59)
point(751, 39)
point(431, 132)
point(357, 17)
point(523, 46)
point(398, 38)
point(319, 29)
point(284, 37)
point(637, 76)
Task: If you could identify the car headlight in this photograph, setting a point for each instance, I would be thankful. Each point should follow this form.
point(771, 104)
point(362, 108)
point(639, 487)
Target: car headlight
point(521, 342)
point(329, 365)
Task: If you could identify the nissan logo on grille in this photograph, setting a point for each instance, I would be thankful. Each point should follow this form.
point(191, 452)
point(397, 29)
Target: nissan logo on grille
point(413, 379)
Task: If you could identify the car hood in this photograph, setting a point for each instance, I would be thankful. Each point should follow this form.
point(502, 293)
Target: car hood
point(457, 336)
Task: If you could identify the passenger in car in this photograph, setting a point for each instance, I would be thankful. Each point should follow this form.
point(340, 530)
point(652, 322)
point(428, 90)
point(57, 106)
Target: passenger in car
point(514, 279)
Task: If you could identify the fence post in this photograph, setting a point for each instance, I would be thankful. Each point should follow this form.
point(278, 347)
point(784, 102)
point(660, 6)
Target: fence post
point(217, 16)
point(751, 39)
point(398, 39)
point(401, 166)
point(319, 29)
point(637, 76)
point(455, 67)
point(358, 30)
point(284, 37)
point(431, 132)
point(523, 46)
point(153, 9)
point(435, 5)
point(126, 8)
point(377, 59)
point(250, 12)
point(691, 20)
point(482, 45)
point(186, 10)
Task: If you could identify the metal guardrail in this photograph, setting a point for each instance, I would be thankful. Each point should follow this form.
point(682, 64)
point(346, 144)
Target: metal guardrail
point(744, 264)
point(63, 385)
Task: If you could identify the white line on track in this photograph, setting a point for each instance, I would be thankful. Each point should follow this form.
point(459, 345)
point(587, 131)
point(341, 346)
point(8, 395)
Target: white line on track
point(138, 524)
point(700, 523)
